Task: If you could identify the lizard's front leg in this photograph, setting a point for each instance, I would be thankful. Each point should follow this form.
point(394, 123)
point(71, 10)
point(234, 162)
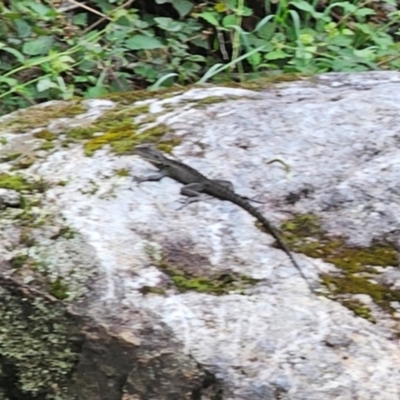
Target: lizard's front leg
point(155, 177)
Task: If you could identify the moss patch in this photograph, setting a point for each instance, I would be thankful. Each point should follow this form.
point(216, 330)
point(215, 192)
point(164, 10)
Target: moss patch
point(167, 145)
point(128, 98)
point(123, 172)
point(217, 284)
point(25, 161)
point(304, 235)
point(38, 352)
point(45, 134)
point(18, 261)
point(359, 309)
point(257, 81)
point(19, 183)
point(203, 103)
point(38, 116)
point(9, 156)
point(59, 289)
point(117, 129)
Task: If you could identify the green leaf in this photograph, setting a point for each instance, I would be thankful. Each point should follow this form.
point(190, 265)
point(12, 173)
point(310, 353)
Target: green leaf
point(41, 45)
point(166, 78)
point(45, 84)
point(62, 63)
point(366, 54)
point(19, 56)
point(168, 24)
point(200, 42)
point(306, 38)
point(231, 4)
point(23, 28)
point(243, 11)
point(95, 91)
point(362, 12)
point(147, 72)
point(367, 29)
point(9, 81)
point(182, 6)
point(196, 58)
point(304, 6)
point(276, 55)
point(255, 59)
point(266, 27)
point(305, 53)
point(210, 17)
point(340, 40)
point(347, 7)
point(229, 21)
point(217, 68)
point(80, 19)
point(39, 8)
point(142, 42)
point(307, 7)
point(347, 32)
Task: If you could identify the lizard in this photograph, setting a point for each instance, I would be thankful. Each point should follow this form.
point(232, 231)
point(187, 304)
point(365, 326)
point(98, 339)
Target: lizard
point(196, 183)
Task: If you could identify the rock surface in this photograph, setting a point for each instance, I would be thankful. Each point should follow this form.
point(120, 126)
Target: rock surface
point(196, 303)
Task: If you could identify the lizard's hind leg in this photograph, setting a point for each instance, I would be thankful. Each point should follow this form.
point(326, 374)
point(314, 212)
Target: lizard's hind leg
point(230, 186)
point(194, 193)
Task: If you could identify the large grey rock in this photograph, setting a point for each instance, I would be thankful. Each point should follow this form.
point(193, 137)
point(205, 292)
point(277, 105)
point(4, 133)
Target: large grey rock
point(105, 247)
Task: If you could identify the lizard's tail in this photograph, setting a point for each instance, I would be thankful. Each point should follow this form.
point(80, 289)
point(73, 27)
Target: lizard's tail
point(272, 231)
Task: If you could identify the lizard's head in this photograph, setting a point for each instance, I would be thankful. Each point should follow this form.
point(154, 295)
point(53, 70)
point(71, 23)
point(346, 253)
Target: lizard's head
point(150, 154)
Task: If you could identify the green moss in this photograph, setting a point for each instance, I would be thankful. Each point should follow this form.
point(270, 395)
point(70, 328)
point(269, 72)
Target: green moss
point(138, 95)
point(26, 239)
point(45, 134)
point(26, 217)
point(117, 120)
point(257, 81)
point(117, 129)
point(304, 234)
point(123, 139)
point(39, 347)
point(47, 146)
point(80, 133)
point(359, 309)
point(16, 182)
point(203, 103)
point(381, 295)
point(122, 172)
point(302, 225)
point(355, 259)
point(168, 145)
point(123, 136)
point(5, 157)
point(152, 289)
point(24, 162)
point(39, 116)
point(218, 285)
point(65, 232)
point(59, 289)
point(127, 98)
point(18, 261)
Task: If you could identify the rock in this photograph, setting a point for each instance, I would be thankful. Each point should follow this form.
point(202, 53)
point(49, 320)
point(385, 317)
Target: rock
point(9, 198)
point(110, 291)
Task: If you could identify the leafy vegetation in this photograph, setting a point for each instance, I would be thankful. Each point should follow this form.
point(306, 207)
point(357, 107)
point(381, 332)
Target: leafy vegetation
point(100, 46)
